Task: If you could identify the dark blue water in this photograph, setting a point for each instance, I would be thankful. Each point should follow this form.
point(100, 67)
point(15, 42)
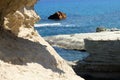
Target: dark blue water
point(71, 55)
point(83, 16)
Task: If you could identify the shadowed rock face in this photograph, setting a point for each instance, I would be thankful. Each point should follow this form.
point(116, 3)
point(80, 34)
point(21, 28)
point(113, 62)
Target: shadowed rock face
point(24, 54)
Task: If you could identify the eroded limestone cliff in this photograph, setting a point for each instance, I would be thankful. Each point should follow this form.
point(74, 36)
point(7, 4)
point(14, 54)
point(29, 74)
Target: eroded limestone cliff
point(24, 54)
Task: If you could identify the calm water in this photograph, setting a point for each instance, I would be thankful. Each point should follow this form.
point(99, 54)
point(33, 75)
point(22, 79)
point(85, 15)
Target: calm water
point(83, 16)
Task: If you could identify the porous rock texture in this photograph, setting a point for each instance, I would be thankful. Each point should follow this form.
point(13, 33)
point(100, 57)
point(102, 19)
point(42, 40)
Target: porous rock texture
point(24, 54)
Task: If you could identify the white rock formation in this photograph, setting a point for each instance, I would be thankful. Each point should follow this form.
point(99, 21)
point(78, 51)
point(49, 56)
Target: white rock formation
point(76, 41)
point(67, 41)
point(24, 54)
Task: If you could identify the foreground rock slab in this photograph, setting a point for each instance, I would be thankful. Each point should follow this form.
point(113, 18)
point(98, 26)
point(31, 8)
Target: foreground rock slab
point(24, 54)
point(38, 60)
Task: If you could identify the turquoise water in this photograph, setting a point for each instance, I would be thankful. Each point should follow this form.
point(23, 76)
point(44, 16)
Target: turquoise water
point(83, 16)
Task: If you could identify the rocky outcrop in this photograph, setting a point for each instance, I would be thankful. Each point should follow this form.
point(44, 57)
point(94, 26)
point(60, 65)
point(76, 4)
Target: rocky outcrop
point(76, 41)
point(103, 48)
point(103, 29)
point(100, 29)
point(104, 59)
point(57, 16)
point(24, 54)
point(67, 41)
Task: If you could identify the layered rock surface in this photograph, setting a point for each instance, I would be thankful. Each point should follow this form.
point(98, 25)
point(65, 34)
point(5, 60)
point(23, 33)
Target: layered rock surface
point(76, 41)
point(66, 41)
point(104, 59)
point(24, 54)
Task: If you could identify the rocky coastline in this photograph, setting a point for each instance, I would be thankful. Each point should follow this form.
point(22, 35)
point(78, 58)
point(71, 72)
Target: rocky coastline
point(76, 41)
point(25, 55)
point(103, 47)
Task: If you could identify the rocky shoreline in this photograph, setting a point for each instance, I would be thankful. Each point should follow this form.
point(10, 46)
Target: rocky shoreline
point(104, 60)
point(25, 55)
point(76, 41)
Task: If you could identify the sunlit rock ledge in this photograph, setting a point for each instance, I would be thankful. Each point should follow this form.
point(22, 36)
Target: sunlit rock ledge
point(76, 41)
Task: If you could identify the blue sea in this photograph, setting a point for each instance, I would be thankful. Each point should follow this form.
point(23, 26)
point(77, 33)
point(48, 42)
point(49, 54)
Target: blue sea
point(83, 16)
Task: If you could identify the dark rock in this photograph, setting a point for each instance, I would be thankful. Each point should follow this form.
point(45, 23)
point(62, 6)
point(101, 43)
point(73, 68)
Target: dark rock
point(100, 29)
point(97, 71)
point(57, 16)
point(103, 29)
